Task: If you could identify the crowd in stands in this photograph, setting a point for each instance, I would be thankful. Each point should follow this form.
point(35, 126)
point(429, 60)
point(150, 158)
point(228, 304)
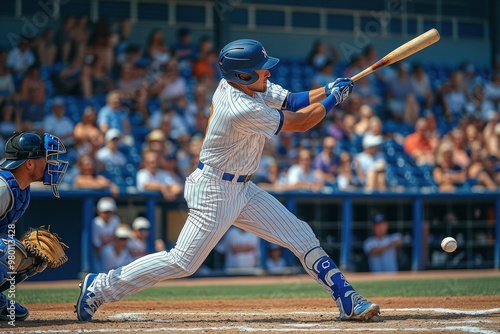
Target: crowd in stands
point(133, 115)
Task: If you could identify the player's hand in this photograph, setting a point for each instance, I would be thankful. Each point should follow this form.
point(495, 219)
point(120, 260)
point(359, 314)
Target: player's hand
point(340, 88)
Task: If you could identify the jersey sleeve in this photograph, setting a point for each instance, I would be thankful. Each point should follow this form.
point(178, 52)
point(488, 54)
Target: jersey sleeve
point(275, 95)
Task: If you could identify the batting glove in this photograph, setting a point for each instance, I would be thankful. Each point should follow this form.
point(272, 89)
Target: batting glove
point(340, 89)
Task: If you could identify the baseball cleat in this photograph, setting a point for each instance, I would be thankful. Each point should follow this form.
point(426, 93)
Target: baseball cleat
point(354, 307)
point(11, 311)
point(87, 303)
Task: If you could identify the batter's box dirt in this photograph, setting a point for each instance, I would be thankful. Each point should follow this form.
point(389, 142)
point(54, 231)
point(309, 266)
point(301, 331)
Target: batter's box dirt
point(319, 315)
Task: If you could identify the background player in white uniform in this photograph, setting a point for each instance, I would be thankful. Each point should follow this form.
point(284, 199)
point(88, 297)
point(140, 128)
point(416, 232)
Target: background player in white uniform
point(246, 109)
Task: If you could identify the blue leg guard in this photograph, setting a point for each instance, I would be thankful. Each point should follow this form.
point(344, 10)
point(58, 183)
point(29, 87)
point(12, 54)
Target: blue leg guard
point(351, 304)
point(10, 310)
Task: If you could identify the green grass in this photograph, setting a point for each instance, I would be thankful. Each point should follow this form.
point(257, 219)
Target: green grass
point(389, 288)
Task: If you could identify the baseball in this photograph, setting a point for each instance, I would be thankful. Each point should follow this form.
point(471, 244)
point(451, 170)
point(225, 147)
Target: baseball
point(449, 244)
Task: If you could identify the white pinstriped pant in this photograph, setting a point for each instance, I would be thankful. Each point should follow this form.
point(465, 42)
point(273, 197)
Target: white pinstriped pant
point(214, 205)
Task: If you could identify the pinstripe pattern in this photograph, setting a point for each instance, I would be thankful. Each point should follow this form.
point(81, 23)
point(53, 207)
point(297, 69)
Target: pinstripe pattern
point(238, 127)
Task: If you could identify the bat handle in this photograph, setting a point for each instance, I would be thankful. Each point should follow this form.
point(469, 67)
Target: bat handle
point(362, 74)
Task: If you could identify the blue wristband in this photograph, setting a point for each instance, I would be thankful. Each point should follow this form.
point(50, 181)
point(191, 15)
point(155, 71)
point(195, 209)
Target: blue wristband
point(329, 103)
point(296, 101)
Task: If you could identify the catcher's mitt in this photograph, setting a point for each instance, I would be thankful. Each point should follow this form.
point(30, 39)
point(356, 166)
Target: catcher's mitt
point(45, 245)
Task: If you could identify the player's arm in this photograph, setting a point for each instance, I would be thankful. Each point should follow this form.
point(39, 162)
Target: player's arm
point(297, 101)
point(308, 116)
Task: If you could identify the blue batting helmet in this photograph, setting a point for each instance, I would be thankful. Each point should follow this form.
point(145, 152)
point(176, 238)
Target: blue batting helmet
point(244, 56)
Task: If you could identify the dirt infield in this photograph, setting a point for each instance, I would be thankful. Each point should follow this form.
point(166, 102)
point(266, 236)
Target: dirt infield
point(479, 314)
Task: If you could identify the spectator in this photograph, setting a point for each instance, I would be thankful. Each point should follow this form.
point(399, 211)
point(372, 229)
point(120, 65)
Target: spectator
point(354, 67)
point(171, 166)
point(68, 81)
point(45, 48)
point(79, 35)
point(127, 83)
point(370, 164)
point(206, 67)
point(58, 124)
point(401, 96)
point(347, 178)
point(324, 76)
point(318, 55)
point(95, 79)
point(170, 85)
point(275, 177)
point(301, 175)
point(116, 253)
point(382, 248)
point(184, 50)
point(492, 89)
point(421, 86)
point(326, 163)
point(493, 142)
point(7, 119)
point(368, 93)
point(32, 81)
point(138, 242)
point(101, 44)
point(7, 88)
point(31, 112)
point(109, 155)
point(152, 178)
point(113, 116)
point(87, 178)
point(352, 105)
point(241, 251)
point(456, 96)
point(478, 106)
point(419, 146)
point(460, 154)
point(490, 135)
point(20, 58)
point(447, 175)
point(62, 39)
point(157, 51)
point(88, 137)
point(275, 263)
point(365, 116)
point(104, 225)
point(157, 142)
point(477, 172)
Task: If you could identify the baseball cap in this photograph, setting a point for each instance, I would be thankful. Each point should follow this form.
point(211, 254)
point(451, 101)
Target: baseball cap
point(141, 223)
point(371, 140)
point(57, 102)
point(156, 135)
point(123, 232)
point(112, 134)
point(106, 204)
point(378, 219)
point(21, 147)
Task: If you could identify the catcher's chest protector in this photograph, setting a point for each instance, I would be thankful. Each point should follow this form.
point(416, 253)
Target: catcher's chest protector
point(21, 201)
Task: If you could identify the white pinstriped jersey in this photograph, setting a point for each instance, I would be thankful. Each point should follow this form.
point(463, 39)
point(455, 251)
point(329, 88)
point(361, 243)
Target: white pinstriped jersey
point(239, 125)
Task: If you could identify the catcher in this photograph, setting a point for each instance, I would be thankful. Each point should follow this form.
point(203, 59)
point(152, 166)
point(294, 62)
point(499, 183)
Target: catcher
point(29, 158)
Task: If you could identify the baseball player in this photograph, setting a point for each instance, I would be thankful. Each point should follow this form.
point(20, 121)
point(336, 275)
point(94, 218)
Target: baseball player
point(29, 158)
point(246, 110)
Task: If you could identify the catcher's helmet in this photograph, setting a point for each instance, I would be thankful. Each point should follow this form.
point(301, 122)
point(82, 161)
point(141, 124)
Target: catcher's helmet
point(29, 145)
point(20, 147)
point(244, 56)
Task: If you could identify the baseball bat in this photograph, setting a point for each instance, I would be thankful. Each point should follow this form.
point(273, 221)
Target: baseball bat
point(413, 46)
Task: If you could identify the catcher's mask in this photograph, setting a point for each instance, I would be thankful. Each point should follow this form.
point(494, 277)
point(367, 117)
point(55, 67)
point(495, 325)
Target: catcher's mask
point(29, 145)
